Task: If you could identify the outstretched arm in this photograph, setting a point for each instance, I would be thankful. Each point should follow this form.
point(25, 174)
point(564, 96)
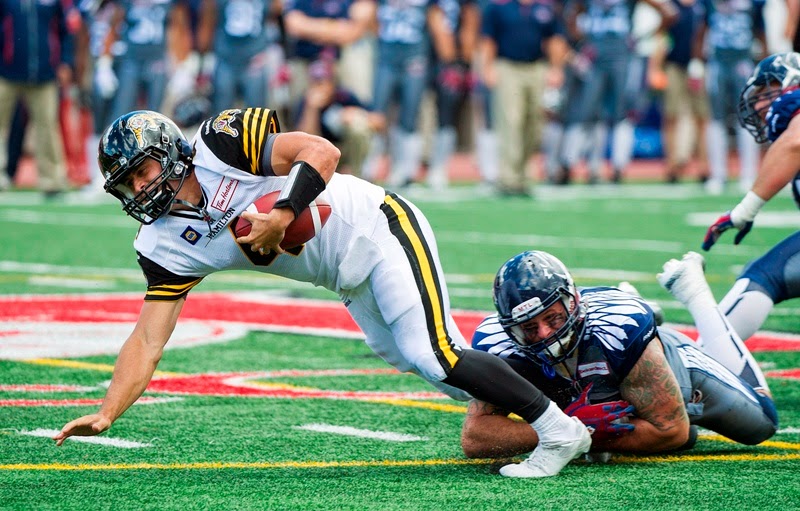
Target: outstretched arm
point(661, 422)
point(133, 370)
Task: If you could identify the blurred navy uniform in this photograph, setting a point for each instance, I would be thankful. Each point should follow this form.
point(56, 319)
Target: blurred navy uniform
point(731, 28)
point(241, 40)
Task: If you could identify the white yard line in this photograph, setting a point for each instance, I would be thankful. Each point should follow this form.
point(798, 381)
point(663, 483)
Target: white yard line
point(98, 440)
point(361, 433)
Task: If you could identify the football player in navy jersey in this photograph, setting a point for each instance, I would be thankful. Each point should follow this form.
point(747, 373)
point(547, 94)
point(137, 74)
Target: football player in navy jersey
point(768, 107)
point(377, 251)
point(598, 353)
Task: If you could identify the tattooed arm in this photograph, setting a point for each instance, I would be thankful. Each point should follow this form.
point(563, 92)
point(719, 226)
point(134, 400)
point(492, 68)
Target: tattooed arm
point(489, 432)
point(661, 421)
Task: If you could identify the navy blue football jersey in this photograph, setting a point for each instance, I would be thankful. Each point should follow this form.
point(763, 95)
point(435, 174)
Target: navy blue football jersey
point(617, 329)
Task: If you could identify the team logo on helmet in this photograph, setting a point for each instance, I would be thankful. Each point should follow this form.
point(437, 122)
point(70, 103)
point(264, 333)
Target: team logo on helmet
point(222, 123)
point(138, 123)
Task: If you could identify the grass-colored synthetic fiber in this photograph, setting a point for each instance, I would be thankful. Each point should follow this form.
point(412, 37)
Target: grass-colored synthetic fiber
point(247, 453)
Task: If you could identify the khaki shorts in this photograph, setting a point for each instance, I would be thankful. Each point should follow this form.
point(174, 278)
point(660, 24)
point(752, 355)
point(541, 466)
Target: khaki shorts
point(678, 99)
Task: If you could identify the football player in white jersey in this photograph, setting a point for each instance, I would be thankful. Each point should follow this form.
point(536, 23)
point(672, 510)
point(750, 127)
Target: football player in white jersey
point(598, 353)
point(377, 251)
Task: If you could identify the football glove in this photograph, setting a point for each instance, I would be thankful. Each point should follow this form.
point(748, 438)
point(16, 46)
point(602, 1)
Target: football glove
point(722, 224)
point(603, 420)
point(740, 217)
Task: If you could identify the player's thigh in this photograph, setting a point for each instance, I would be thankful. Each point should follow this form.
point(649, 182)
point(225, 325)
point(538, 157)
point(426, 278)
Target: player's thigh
point(778, 271)
point(732, 411)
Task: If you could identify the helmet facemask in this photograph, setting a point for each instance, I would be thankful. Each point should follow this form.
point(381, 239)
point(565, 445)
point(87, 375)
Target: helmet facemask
point(126, 147)
point(155, 199)
point(559, 345)
point(772, 77)
point(529, 286)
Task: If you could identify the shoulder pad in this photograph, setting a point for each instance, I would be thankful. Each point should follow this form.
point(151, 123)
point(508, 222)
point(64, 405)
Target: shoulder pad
point(238, 137)
point(781, 112)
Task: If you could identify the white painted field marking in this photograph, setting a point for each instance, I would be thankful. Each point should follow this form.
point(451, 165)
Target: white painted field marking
point(361, 433)
point(63, 218)
point(789, 431)
point(773, 219)
point(108, 442)
point(74, 283)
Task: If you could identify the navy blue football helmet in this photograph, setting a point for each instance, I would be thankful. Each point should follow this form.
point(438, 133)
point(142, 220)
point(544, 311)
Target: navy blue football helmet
point(772, 77)
point(126, 144)
point(527, 285)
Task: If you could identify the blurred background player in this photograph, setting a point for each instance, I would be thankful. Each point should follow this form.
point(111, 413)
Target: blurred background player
point(400, 76)
point(599, 354)
point(604, 30)
point(519, 39)
point(234, 35)
point(139, 74)
point(685, 107)
point(455, 26)
point(768, 109)
point(97, 15)
point(38, 58)
point(336, 114)
point(727, 34)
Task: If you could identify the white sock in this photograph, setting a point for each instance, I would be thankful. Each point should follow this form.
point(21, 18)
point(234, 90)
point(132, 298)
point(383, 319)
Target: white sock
point(717, 148)
point(720, 340)
point(748, 158)
point(597, 148)
point(622, 145)
point(554, 425)
point(96, 179)
point(441, 152)
point(571, 148)
point(486, 147)
point(551, 146)
point(746, 310)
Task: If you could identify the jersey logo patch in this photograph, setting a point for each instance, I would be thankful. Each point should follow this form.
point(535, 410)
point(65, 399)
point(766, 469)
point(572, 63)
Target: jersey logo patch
point(594, 368)
point(222, 198)
point(191, 235)
point(222, 123)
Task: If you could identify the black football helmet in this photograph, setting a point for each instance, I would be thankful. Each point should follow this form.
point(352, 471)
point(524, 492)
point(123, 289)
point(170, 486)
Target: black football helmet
point(772, 77)
point(126, 144)
point(527, 285)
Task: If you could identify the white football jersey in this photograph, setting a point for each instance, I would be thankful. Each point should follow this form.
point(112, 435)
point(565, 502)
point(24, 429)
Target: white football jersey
point(180, 248)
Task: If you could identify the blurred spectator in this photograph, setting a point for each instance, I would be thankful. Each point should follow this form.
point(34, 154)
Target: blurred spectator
point(335, 113)
point(728, 32)
point(317, 26)
point(454, 33)
point(37, 56)
point(140, 72)
point(236, 32)
point(604, 29)
point(517, 36)
point(680, 78)
point(485, 138)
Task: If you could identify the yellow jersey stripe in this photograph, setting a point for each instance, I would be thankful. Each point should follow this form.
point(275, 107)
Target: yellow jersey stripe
point(245, 138)
point(428, 277)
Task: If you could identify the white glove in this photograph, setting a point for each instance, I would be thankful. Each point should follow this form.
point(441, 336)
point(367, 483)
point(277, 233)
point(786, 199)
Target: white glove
point(104, 77)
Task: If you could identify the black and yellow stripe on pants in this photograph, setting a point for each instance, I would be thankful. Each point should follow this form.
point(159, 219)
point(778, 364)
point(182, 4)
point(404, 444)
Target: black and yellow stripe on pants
point(405, 227)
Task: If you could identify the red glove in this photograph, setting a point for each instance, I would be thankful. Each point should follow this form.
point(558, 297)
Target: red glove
point(604, 420)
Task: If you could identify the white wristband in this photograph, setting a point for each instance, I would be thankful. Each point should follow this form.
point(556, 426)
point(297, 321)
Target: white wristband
point(747, 209)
